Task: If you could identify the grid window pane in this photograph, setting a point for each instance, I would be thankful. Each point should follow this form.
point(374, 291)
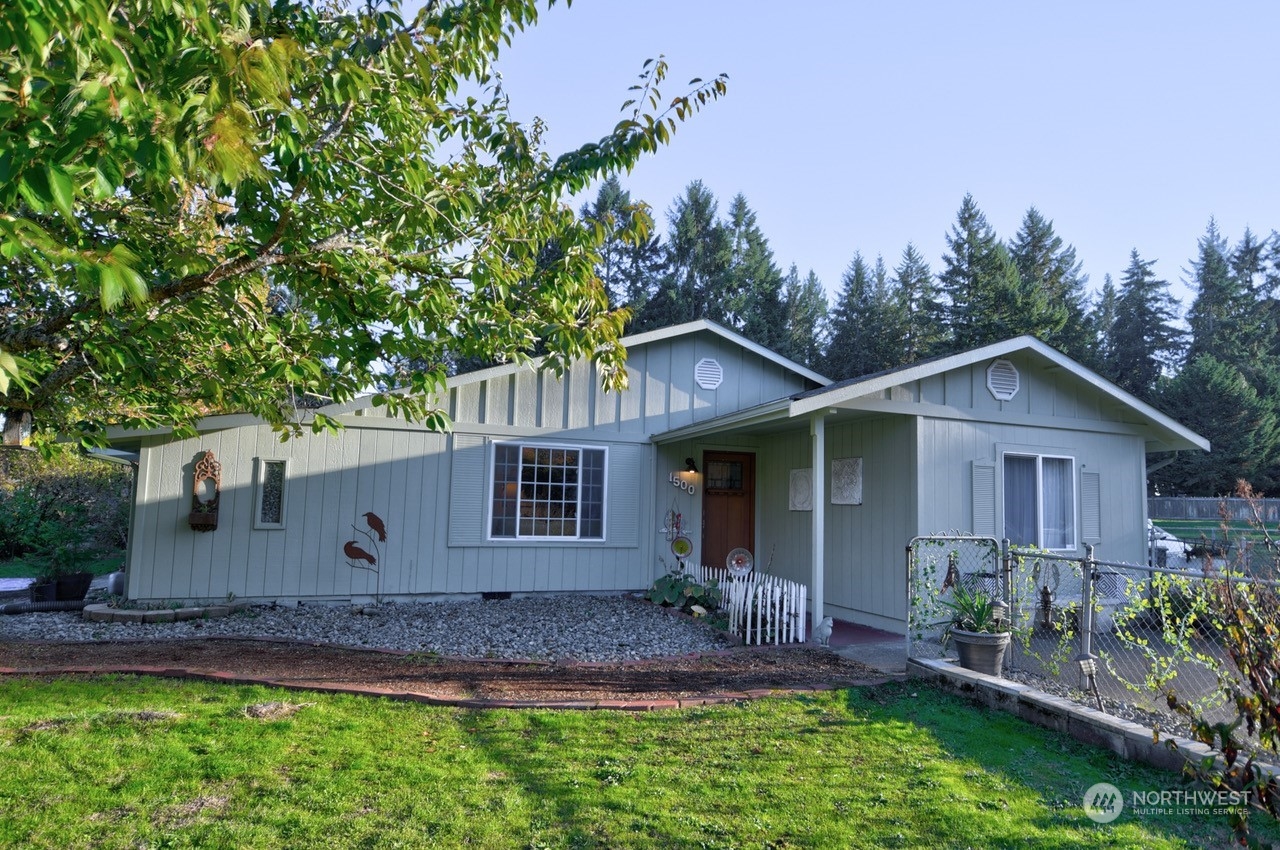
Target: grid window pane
point(548, 492)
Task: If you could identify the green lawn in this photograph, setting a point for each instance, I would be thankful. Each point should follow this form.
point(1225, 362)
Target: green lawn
point(127, 762)
point(99, 564)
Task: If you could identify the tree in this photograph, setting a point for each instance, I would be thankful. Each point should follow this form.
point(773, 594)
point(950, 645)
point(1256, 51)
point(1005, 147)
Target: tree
point(1220, 314)
point(630, 258)
point(1050, 273)
point(805, 333)
point(920, 309)
point(694, 284)
point(866, 325)
point(1145, 341)
point(1215, 400)
point(752, 282)
point(987, 302)
point(167, 164)
point(1102, 321)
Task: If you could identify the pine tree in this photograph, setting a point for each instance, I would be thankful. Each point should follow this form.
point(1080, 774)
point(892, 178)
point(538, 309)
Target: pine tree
point(1049, 271)
point(753, 283)
point(1214, 399)
point(866, 332)
point(920, 308)
point(805, 335)
point(1222, 305)
point(1102, 320)
point(693, 283)
point(1145, 340)
point(631, 258)
point(985, 294)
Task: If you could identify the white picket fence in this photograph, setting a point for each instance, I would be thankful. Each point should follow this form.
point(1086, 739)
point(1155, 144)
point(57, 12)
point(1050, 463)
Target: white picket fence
point(762, 608)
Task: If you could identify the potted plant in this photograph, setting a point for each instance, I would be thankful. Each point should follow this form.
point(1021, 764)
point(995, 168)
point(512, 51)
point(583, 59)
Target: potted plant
point(59, 555)
point(980, 628)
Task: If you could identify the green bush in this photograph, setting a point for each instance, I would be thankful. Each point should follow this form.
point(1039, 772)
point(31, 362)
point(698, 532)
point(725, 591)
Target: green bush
point(68, 501)
point(678, 589)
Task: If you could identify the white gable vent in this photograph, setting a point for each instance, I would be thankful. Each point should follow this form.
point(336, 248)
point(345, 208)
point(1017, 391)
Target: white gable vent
point(1003, 380)
point(708, 374)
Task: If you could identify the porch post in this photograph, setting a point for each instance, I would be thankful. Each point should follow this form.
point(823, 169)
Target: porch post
point(818, 428)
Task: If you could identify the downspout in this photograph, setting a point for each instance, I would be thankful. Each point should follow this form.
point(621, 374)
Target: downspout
point(818, 430)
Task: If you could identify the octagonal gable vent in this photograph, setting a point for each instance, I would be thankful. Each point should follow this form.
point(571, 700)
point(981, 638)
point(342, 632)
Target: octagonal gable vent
point(1003, 380)
point(708, 373)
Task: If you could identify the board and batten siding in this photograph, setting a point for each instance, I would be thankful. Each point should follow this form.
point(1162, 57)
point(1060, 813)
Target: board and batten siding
point(962, 488)
point(432, 490)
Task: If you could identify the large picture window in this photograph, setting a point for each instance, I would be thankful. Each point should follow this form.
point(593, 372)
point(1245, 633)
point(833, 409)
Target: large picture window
point(548, 492)
point(1040, 501)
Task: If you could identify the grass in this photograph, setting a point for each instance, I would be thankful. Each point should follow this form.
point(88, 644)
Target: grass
point(100, 564)
point(125, 762)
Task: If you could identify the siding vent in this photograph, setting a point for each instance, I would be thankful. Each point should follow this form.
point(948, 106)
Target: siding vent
point(708, 373)
point(1003, 380)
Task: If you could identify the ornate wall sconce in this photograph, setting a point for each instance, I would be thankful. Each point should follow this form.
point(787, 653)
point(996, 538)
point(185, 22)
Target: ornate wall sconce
point(206, 482)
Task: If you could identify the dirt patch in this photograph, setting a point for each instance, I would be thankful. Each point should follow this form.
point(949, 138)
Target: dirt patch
point(299, 665)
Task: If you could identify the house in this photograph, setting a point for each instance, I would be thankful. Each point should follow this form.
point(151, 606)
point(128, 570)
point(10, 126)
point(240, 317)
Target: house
point(550, 485)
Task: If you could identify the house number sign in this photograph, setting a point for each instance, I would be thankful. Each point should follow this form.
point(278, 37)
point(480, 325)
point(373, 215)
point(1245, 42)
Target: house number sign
point(676, 481)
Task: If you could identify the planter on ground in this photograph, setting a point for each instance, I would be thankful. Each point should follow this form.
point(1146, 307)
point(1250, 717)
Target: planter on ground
point(981, 652)
point(72, 587)
point(43, 591)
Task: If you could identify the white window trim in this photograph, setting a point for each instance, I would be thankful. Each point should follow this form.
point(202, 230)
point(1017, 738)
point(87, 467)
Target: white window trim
point(259, 478)
point(545, 538)
point(1040, 457)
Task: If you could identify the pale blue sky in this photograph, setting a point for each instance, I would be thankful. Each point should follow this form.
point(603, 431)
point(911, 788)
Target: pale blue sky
point(860, 126)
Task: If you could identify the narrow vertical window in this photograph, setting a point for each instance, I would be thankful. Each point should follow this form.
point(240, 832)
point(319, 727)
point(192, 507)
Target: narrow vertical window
point(1040, 501)
point(272, 480)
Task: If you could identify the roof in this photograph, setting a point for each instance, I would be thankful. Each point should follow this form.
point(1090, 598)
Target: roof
point(1174, 436)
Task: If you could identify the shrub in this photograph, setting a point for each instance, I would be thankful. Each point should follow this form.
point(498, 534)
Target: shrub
point(678, 589)
point(43, 501)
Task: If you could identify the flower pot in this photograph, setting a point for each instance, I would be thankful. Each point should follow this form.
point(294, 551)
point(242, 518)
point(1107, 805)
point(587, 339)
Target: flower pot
point(981, 652)
point(46, 591)
point(203, 520)
point(72, 587)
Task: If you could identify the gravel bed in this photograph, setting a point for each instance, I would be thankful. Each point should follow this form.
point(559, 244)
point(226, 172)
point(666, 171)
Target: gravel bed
point(574, 627)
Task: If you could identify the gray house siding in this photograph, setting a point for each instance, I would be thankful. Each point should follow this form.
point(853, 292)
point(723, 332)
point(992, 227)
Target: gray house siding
point(433, 490)
point(953, 451)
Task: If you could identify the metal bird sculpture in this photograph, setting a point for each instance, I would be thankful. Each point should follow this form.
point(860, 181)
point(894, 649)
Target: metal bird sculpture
point(375, 523)
point(355, 553)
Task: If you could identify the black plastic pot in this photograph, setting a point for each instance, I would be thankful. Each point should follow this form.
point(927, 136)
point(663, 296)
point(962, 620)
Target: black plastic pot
point(74, 586)
point(43, 592)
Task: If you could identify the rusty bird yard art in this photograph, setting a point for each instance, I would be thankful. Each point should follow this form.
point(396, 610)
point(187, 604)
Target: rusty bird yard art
point(355, 553)
point(377, 526)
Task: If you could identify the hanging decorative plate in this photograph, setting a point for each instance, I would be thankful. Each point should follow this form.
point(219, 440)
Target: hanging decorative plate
point(682, 547)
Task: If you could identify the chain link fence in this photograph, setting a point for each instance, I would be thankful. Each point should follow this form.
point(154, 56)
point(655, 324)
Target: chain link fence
point(1119, 636)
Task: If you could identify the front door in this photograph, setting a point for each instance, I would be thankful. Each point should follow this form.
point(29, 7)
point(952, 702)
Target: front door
point(728, 505)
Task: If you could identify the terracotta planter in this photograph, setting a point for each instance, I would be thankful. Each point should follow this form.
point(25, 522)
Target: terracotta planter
point(981, 652)
point(73, 586)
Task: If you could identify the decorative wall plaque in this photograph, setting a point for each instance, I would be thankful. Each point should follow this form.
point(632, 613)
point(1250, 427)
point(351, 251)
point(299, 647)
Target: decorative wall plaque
point(206, 480)
point(846, 481)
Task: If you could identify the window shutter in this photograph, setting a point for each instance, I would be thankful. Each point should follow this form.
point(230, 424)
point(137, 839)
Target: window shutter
point(984, 498)
point(1091, 507)
point(624, 495)
point(468, 484)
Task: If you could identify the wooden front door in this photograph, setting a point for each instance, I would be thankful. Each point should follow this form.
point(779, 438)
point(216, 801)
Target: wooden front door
point(728, 505)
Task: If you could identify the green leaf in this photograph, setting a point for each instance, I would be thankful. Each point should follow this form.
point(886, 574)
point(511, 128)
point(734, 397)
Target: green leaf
point(61, 190)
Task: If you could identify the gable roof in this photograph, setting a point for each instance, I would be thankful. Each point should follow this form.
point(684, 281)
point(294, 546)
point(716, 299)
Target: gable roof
point(630, 341)
point(1174, 435)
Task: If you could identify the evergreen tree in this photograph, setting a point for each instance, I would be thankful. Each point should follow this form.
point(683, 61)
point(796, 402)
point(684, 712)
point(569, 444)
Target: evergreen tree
point(630, 258)
point(693, 283)
point(805, 334)
point(866, 308)
point(985, 294)
point(1145, 340)
point(753, 283)
point(921, 313)
point(1050, 272)
point(1221, 311)
point(1213, 399)
point(1102, 320)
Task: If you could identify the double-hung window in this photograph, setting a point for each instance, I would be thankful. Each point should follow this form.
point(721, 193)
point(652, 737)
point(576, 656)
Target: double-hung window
point(547, 492)
point(1040, 501)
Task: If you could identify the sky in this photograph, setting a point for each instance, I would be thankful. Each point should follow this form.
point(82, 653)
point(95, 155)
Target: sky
point(857, 126)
